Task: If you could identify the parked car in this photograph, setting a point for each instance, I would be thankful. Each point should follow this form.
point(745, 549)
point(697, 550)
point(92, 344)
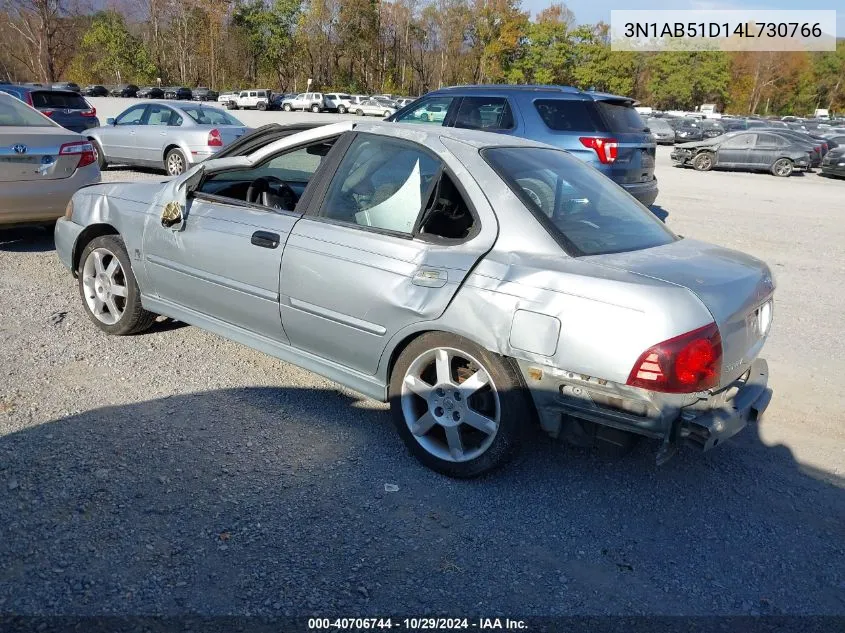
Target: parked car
point(95, 91)
point(169, 135)
point(814, 147)
point(337, 102)
point(124, 90)
point(68, 109)
point(661, 131)
point(629, 331)
point(374, 107)
point(178, 93)
point(67, 85)
point(305, 101)
point(41, 164)
point(252, 100)
point(224, 98)
point(834, 163)
point(150, 92)
point(401, 102)
point(204, 94)
point(602, 129)
point(711, 128)
point(357, 100)
point(749, 151)
point(688, 131)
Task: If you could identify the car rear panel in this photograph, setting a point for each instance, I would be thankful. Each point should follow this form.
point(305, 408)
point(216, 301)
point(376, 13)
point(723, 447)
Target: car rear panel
point(635, 158)
point(733, 286)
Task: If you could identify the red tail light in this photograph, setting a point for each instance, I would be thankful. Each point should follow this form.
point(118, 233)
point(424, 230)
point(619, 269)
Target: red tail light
point(83, 149)
point(684, 364)
point(28, 98)
point(214, 138)
point(606, 148)
point(47, 112)
point(91, 112)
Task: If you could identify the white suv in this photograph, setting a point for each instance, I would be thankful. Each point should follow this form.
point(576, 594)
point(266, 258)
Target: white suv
point(338, 101)
point(258, 99)
point(305, 101)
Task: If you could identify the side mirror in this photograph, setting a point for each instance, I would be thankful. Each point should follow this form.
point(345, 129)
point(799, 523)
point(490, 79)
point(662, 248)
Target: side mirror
point(110, 121)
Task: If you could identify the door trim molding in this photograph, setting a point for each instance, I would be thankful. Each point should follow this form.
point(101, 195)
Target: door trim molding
point(218, 280)
point(338, 317)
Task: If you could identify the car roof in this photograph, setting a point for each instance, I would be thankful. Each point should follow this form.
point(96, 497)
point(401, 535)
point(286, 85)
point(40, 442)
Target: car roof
point(536, 88)
point(427, 134)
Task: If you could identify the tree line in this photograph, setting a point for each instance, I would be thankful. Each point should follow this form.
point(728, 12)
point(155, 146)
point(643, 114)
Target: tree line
point(390, 46)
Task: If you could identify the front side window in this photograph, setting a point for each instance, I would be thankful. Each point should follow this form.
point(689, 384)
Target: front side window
point(430, 111)
point(484, 113)
point(739, 141)
point(586, 212)
point(381, 183)
point(132, 116)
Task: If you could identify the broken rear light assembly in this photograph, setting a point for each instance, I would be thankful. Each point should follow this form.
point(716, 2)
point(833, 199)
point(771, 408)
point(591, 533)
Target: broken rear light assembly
point(214, 138)
point(684, 364)
point(606, 149)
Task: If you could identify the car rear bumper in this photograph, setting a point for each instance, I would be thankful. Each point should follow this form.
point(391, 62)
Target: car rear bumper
point(834, 167)
point(562, 397)
point(645, 192)
point(35, 201)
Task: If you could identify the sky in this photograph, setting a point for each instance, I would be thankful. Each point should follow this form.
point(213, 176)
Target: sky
point(590, 11)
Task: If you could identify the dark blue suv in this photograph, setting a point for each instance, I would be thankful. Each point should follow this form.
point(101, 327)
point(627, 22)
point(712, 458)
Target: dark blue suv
point(66, 107)
point(601, 129)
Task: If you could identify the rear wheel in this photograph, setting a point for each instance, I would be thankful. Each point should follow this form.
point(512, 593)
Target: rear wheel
point(359, 112)
point(460, 409)
point(175, 162)
point(98, 152)
point(386, 113)
point(341, 109)
point(783, 167)
point(286, 107)
point(109, 290)
point(703, 162)
point(315, 108)
point(262, 106)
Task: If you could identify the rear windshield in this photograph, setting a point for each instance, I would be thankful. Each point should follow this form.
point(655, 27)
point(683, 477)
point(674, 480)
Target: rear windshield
point(14, 113)
point(583, 210)
point(54, 99)
point(568, 114)
point(210, 116)
point(620, 116)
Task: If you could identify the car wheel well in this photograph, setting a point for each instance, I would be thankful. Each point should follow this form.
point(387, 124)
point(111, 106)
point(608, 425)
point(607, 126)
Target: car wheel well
point(400, 347)
point(89, 233)
point(167, 149)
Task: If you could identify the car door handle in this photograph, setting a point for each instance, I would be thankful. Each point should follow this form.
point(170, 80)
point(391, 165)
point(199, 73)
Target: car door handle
point(265, 239)
point(430, 277)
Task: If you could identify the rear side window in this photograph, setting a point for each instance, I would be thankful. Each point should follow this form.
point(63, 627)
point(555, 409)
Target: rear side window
point(484, 113)
point(769, 140)
point(565, 115)
point(620, 117)
point(58, 100)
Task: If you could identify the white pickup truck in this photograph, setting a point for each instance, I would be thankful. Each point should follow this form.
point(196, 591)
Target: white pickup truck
point(246, 99)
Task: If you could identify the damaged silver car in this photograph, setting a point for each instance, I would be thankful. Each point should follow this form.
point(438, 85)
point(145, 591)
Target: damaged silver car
point(478, 283)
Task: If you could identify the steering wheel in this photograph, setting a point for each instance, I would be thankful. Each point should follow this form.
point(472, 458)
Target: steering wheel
point(272, 192)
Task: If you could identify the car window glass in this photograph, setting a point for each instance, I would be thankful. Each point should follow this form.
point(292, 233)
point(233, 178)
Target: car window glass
point(58, 100)
point(620, 117)
point(484, 113)
point(160, 115)
point(16, 113)
point(581, 208)
point(210, 116)
point(430, 111)
point(740, 141)
point(767, 140)
point(568, 114)
point(132, 116)
point(380, 183)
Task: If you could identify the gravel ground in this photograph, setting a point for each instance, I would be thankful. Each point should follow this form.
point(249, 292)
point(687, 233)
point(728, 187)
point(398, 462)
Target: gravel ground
point(176, 472)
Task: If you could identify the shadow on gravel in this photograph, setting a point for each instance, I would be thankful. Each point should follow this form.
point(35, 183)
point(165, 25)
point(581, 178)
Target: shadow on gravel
point(28, 239)
point(272, 501)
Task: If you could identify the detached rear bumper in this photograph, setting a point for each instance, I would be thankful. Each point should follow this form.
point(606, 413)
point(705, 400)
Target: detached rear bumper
point(707, 429)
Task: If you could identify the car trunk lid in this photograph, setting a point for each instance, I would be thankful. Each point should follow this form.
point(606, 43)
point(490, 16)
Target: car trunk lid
point(733, 286)
point(32, 153)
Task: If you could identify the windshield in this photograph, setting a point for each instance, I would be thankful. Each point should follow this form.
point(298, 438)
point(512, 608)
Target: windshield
point(659, 124)
point(210, 116)
point(14, 113)
point(585, 211)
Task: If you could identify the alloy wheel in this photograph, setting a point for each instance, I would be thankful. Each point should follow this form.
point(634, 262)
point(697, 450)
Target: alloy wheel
point(175, 164)
point(450, 404)
point(104, 284)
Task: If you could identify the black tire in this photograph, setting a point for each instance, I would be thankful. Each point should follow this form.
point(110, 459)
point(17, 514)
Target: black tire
point(703, 161)
point(359, 112)
point(783, 168)
point(341, 109)
point(386, 113)
point(101, 157)
point(262, 106)
point(287, 107)
point(171, 162)
point(233, 105)
point(135, 318)
point(315, 108)
point(516, 410)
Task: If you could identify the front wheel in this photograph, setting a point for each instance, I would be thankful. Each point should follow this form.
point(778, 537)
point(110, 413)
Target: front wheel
point(109, 290)
point(341, 109)
point(703, 162)
point(287, 107)
point(262, 106)
point(101, 157)
point(460, 409)
point(359, 112)
point(386, 113)
point(315, 108)
point(783, 167)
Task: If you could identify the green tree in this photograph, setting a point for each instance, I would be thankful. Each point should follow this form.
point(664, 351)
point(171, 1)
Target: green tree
point(109, 52)
point(546, 55)
point(270, 30)
point(687, 79)
point(596, 66)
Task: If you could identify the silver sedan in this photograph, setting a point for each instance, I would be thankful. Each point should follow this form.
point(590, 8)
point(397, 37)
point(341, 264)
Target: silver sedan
point(480, 284)
point(161, 134)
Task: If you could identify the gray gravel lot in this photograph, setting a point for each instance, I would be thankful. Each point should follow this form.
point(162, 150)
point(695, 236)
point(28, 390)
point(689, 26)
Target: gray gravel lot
point(176, 472)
